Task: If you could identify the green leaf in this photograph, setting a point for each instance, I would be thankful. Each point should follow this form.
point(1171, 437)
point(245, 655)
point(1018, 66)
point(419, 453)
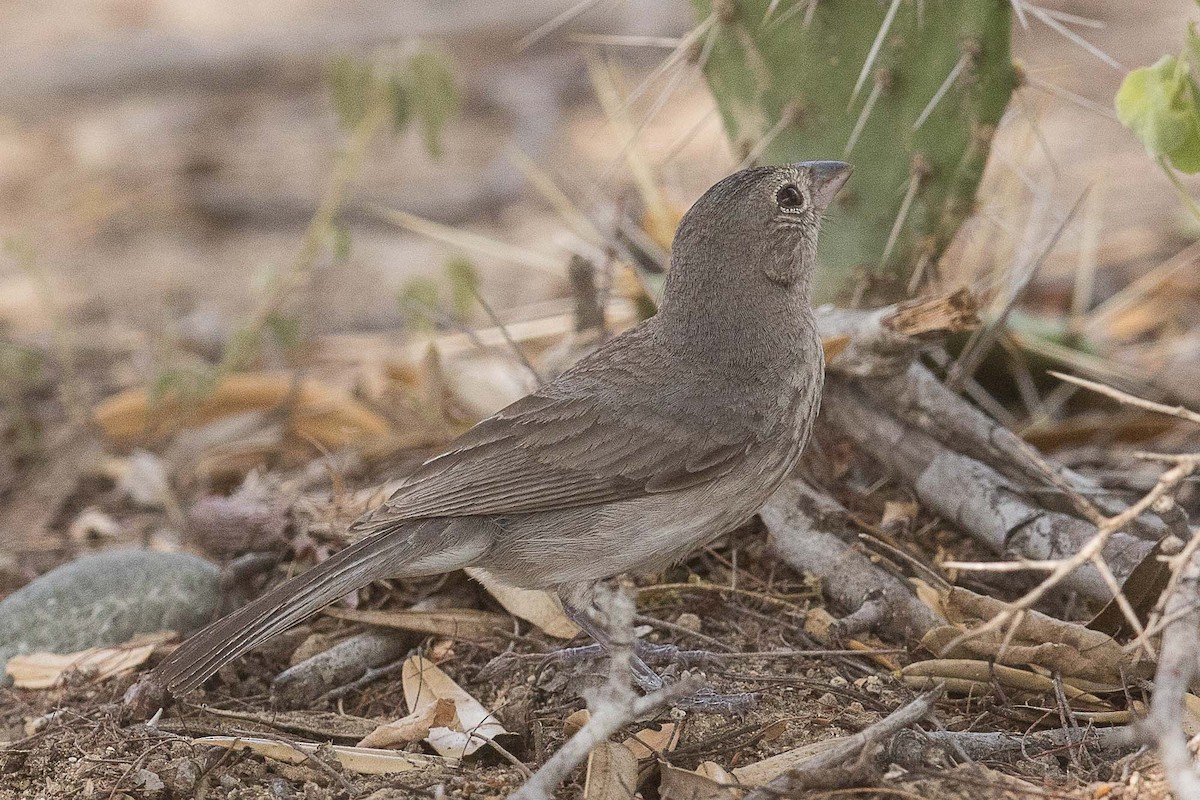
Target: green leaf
point(434, 97)
point(400, 101)
point(419, 301)
point(19, 366)
point(350, 83)
point(1193, 45)
point(186, 383)
point(1159, 104)
point(464, 285)
point(285, 330)
point(341, 243)
point(243, 347)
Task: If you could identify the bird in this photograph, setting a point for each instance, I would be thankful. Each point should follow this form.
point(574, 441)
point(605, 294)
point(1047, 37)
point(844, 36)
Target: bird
point(658, 442)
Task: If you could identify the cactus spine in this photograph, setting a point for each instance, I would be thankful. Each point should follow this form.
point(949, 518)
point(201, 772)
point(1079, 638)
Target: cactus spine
point(909, 91)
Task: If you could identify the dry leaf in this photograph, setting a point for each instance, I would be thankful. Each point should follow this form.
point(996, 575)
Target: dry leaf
point(145, 480)
point(362, 760)
point(817, 623)
point(763, 771)
point(1142, 589)
point(1041, 640)
point(834, 345)
point(650, 742)
point(923, 674)
point(93, 524)
point(714, 771)
point(680, 784)
point(543, 609)
point(612, 773)
point(932, 597)
point(898, 516)
point(318, 412)
point(459, 623)
point(575, 721)
point(47, 670)
point(414, 727)
point(425, 684)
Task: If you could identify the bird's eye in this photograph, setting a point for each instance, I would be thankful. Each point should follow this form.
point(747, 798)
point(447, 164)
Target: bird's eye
point(790, 198)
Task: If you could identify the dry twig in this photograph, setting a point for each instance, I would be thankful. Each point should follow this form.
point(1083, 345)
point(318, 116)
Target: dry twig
point(870, 737)
point(1177, 667)
point(1091, 552)
point(612, 706)
point(798, 518)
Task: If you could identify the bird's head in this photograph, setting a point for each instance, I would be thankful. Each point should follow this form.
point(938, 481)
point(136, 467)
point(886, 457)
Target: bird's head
point(763, 221)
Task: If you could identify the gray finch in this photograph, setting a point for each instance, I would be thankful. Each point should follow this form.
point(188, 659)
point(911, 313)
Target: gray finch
point(647, 449)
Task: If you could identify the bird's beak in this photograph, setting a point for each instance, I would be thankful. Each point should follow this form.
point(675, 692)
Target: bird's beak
point(828, 178)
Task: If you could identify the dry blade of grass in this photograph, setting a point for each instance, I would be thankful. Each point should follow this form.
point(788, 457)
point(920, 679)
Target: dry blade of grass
point(471, 242)
point(1179, 412)
point(605, 86)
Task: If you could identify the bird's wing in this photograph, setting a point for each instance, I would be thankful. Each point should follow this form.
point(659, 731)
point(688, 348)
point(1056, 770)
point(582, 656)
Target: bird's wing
point(553, 450)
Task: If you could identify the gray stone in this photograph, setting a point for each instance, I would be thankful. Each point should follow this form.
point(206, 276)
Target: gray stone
point(108, 598)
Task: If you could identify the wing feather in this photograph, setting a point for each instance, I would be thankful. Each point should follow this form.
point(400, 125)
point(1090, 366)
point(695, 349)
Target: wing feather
point(562, 448)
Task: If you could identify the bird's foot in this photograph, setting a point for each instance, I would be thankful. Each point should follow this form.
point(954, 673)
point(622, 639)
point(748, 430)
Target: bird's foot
point(730, 705)
point(705, 700)
point(646, 679)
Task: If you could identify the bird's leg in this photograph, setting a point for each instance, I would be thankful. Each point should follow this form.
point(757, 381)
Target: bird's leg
point(646, 678)
point(643, 675)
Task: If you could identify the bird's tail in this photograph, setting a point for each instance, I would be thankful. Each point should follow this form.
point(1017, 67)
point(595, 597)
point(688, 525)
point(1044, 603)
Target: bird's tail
point(423, 547)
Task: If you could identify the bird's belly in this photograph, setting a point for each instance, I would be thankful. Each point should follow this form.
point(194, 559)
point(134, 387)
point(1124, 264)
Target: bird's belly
point(582, 545)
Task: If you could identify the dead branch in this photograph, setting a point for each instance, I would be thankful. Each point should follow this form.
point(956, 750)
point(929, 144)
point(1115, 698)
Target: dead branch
point(883, 342)
point(801, 521)
point(346, 661)
point(882, 352)
point(1091, 554)
point(911, 749)
point(874, 735)
point(975, 497)
point(1178, 665)
point(924, 401)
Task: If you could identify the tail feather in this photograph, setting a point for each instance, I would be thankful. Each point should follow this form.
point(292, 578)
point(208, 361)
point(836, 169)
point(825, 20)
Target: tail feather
point(399, 552)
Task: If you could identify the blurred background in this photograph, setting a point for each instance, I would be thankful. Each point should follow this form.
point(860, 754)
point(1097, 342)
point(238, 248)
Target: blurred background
point(161, 163)
point(161, 154)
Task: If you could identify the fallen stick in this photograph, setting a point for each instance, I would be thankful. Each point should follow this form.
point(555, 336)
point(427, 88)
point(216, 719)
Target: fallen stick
point(882, 352)
point(799, 519)
point(346, 661)
point(921, 400)
point(911, 749)
point(975, 497)
point(794, 780)
point(1178, 665)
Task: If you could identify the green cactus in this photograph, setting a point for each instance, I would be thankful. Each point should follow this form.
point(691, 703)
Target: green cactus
point(793, 82)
